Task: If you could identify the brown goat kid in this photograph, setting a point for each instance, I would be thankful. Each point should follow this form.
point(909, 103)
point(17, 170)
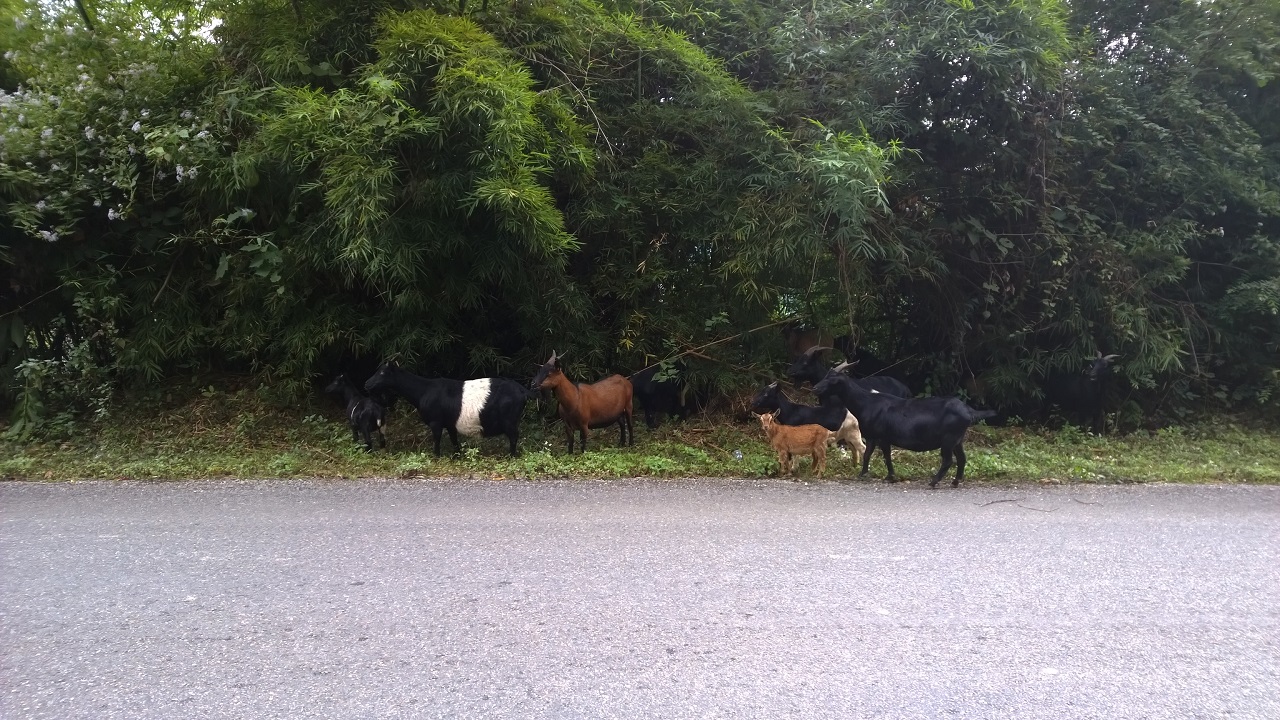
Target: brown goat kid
point(597, 405)
point(789, 440)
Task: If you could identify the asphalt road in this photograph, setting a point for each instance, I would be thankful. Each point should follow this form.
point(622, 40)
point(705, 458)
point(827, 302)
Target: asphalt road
point(635, 599)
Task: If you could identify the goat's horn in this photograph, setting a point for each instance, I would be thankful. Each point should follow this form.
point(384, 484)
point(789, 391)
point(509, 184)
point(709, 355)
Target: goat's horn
point(842, 366)
point(1109, 358)
point(817, 349)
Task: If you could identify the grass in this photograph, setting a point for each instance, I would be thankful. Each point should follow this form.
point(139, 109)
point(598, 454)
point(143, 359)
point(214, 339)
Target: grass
point(220, 434)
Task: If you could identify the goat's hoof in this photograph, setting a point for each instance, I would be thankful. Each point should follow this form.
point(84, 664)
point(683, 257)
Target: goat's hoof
point(955, 483)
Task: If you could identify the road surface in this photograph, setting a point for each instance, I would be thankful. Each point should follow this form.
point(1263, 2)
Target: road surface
point(635, 599)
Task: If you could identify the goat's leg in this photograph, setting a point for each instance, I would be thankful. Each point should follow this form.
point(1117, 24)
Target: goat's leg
point(569, 430)
point(368, 439)
point(514, 437)
point(866, 456)
point(960, 460)
point(622, 431)
point(631, 431)
point(583, 431)
point(453, 435)
point(437, 431)
point(382, 439)
point(888, 460)
point(355, 433)
point(946, 463)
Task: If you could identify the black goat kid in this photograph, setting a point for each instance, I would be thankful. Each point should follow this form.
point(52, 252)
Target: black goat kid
point(934, 423)
point(484, 407)
point(365, 415)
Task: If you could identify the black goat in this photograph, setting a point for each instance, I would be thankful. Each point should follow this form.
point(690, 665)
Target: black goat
point(829, 415)
point(659, 396)
point(366, 416)
point(934, 423)
point(810, 368)
point(1082, 395)
point(484, 407)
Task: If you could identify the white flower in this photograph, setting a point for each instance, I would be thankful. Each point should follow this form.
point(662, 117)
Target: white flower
point(186, 115)
point(55, 167)
point(40, 206)
point(49, 235)
point(145, 113)
point(202, 134)
point(112, 214)
point(46, 133)
point(89, 132)
point(97, 203)
point(19, 23)
point(137, 126)
point(10, 54)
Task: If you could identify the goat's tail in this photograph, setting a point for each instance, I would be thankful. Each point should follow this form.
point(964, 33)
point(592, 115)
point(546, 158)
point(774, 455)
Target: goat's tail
point(984, 414)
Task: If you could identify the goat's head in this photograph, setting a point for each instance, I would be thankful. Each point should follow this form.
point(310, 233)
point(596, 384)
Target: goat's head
point(383, 376)
point(767, 399)
point(547, 372)
point(828, 384)
point(766, 422)
point(808, 366)
point(337, 384)
point(1100, 366)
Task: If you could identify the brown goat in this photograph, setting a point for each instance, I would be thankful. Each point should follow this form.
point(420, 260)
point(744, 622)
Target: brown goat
point(597, 405)
point(789, 439)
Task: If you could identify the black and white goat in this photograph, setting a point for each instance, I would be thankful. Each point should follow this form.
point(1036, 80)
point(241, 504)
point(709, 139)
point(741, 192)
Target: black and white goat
point(933, 423)
point(366, 416)
point(484, 407)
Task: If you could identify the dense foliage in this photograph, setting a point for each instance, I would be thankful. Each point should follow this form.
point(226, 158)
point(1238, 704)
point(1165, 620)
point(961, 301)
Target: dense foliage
point(982, 192)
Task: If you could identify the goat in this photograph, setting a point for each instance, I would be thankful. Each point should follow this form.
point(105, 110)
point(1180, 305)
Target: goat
point(581, 407)
point(485, 407)
point(1082, 395)
point(787, 440)
point(934, 423)
point(771, 399)
point(366, 416)
point(659, 396)
point(810, 368)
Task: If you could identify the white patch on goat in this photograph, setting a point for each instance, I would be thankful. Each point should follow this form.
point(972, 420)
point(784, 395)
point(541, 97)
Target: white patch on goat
point(474, 395)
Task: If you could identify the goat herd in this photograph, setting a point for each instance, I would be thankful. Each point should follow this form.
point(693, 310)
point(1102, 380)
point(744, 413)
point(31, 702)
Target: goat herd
point(861, 414)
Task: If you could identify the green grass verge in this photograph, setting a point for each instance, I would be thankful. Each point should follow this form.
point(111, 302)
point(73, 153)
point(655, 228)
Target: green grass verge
point(238, 435)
